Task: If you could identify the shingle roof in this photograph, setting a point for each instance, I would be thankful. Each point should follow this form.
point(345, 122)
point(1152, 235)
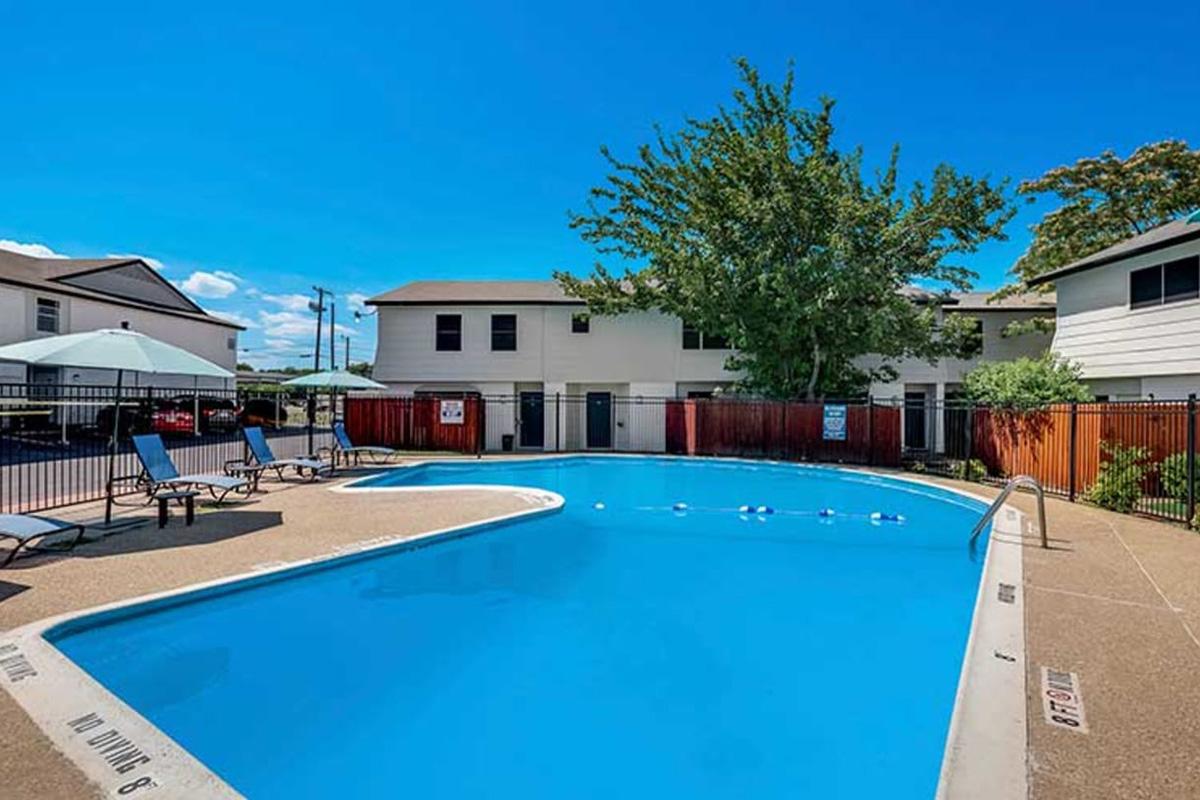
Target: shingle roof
point(1180, 230)
point(47, 273)
point(981, 301)
point(476, 293)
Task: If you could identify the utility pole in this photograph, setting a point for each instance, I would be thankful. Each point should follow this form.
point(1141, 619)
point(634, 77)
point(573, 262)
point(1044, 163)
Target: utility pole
point(332, 331)
point(319, 308)
point(346, 339)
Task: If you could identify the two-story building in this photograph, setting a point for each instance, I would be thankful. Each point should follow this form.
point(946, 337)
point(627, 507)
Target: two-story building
point(1129, 315)
point(605, 376)
point(49, 296)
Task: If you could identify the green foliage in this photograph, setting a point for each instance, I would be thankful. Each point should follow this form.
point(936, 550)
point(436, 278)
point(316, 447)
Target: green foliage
point(244, 367)
point(1108, 199)
point(361, 368)
point(1173, 474)
point(1025, 383)
point(1118, 485)
point(969, 470)
point(751, 225)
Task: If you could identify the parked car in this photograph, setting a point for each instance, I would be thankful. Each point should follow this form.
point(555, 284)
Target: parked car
point(261, 411)
point(170, 417)
point(217, 414)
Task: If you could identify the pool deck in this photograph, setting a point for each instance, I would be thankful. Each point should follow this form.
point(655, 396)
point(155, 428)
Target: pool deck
point(1116, 602)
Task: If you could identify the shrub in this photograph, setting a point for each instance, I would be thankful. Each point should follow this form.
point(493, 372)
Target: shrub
point(972, 470)
point(1026, 383)
point(1173, 472)
point(1118, 487)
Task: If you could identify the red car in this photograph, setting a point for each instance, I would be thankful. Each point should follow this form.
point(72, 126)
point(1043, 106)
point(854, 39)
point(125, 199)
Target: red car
point(168, 418)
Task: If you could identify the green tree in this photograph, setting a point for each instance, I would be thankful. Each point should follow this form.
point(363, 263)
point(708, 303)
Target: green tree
point(244, 367)
point(751, 225)
point(1107, 199)
point(362, 368)
point(1026, 383)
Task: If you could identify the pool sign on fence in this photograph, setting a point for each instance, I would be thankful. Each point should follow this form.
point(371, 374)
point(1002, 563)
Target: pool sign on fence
point(835, 424)
point(451, 412)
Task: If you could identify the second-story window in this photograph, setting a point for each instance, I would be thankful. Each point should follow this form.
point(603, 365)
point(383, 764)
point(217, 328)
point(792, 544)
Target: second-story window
point(504, 331)
point(449, 332)
point(581, 323)
point(693, 339)
point(1172, 282)
point(47, 315)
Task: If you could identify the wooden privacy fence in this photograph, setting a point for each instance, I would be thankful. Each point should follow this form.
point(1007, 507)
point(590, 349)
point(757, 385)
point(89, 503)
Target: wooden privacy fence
point(416, 423)
point(782, 430)
point(1061, 445)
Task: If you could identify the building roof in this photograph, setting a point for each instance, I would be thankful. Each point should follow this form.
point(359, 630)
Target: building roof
point(457, 293)
point(1175, 232)
point(425, 293)
point(981, 301)
point(128, 282)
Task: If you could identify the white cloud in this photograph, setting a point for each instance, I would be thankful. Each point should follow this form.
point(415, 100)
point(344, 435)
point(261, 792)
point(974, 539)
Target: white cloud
point(208, 284)
point(285, 324)
point(291, 302)
point(234, 317)
point(153, 262)
point(357, 300)
point(279, 344)
point(29, 249)
point(229, 276)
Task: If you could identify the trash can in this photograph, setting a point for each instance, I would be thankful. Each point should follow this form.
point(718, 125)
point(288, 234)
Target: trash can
point(506, 442)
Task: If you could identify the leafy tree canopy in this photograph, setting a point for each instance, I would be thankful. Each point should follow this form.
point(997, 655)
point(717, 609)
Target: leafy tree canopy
point(753, 226)
point(1107, 199)
point(1025, 383)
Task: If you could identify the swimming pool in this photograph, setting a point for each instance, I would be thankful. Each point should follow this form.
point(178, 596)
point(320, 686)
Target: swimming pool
point(686, 628)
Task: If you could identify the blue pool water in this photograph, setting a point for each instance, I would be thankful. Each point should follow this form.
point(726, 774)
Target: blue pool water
point(632, 651)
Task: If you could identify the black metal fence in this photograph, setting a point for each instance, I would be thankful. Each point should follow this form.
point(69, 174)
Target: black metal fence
point(54, 439)
point(1133, 457)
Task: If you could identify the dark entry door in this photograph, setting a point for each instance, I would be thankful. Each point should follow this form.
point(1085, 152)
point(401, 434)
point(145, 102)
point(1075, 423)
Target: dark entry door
point(914, 421)
point(533, 417)
point(599, 419)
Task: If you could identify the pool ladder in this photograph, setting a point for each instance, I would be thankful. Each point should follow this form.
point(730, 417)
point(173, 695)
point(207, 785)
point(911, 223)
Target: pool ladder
point(1012, 485)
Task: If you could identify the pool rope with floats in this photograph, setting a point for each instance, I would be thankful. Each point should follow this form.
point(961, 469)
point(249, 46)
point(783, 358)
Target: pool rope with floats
point(747, 510)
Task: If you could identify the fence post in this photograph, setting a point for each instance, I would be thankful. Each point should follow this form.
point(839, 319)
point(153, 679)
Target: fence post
point(1073, 451)
point(1191, 459)
point(970, 443)
point(870, 430)
point(557, 422)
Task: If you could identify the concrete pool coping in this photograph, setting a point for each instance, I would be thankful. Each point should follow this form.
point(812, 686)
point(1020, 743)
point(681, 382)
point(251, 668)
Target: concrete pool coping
point(116, 748)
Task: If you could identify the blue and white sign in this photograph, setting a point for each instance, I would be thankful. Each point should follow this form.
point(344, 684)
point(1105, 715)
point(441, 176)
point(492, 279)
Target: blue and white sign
point(835, 424)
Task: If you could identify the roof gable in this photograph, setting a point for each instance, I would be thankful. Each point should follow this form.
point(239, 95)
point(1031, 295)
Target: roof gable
point(1174, 232)
point(132, 280)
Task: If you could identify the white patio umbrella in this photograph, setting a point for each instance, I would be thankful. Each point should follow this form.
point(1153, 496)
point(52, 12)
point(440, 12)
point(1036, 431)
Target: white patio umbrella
point(117, 349)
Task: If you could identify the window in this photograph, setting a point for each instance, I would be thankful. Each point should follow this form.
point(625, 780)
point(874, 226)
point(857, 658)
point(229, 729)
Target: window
point(47, 316)
point(1181, 279)
point(1165, 283)
point(449, 332)
point(693, 339)
point(581, 323)
point(504, 331)
point(231, 343)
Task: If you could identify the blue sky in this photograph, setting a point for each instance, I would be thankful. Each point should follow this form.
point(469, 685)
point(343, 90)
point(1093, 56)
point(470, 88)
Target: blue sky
point(255, 149)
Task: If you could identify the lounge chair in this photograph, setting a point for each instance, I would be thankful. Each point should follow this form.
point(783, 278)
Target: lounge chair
point(261, 451)
point(343, 445)
point(159, 472)
point(23, 529)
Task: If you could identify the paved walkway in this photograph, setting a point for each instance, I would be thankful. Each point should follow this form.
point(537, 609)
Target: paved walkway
point(1117, 602)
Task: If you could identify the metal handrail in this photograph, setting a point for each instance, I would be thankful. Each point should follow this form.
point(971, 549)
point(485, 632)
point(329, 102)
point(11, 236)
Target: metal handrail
point(1009, 488)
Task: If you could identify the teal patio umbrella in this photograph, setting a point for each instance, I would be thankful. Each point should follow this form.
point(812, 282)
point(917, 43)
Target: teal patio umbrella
point(116, 349)
point(333, 379)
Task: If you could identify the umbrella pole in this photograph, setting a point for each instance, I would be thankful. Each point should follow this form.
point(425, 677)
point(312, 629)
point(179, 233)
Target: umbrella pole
point(109, 525)
point(112, 453)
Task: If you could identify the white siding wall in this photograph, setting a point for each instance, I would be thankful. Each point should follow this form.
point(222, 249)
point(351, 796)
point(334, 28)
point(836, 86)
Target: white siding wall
point(18, 322)
point(643, 347)
point(1097, 329)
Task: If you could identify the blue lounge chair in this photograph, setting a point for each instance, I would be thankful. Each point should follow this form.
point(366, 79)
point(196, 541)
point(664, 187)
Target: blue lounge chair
point(23, 529)
point(261, 451)
point(343, 445)
point(159, 472)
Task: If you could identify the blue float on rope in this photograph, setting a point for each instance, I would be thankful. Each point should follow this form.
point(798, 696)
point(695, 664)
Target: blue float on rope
point(680, 507)
point(765, 510)
point(826, 512)
point(879, 516)
point(598, 505)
